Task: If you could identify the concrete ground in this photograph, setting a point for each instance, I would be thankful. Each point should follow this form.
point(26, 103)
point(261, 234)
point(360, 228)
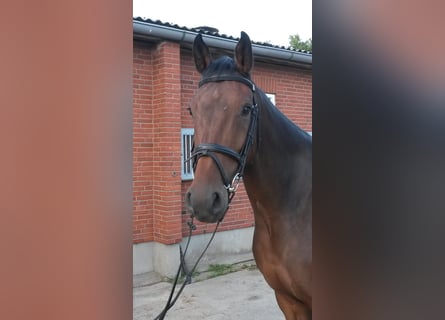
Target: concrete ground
point(242, 294)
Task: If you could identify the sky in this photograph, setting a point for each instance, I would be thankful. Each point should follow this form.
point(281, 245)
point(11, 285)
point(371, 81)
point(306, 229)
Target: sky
point(263, 23)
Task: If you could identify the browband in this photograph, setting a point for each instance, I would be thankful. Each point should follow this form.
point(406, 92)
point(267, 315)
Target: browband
point(228, 77)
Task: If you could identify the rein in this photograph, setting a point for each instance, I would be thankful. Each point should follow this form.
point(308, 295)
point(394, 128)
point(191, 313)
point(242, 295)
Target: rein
point(188, 274)
point(210, 149)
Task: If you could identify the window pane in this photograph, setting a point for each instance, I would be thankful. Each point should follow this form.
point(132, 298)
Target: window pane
point(186, 150)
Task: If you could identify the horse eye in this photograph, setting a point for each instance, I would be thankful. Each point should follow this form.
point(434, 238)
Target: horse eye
point(246, 110)
point(190, 111)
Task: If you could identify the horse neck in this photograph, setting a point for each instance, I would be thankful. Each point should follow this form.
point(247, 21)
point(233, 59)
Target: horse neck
point(282, 160)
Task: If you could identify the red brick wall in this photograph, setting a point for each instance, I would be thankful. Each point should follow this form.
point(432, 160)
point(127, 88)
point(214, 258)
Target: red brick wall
point(143, 143)
point(167, 144)
point(165, 80)
point(293, 90)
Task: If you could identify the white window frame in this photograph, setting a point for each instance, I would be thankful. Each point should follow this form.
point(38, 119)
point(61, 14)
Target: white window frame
point(271, 96)
point(186, 149)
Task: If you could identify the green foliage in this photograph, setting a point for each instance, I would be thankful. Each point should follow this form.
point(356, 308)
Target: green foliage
point(297, 43)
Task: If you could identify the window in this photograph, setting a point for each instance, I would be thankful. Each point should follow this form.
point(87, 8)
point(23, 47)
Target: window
point(187, 135)
point(271, 96)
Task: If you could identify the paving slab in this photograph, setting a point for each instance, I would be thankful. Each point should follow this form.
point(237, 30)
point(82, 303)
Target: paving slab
point(239, 295)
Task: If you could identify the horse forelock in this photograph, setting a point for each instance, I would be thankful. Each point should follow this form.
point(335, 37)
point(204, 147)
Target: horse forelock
point(223, 65)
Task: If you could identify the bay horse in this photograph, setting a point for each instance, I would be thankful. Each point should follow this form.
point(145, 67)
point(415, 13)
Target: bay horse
point(239, 133)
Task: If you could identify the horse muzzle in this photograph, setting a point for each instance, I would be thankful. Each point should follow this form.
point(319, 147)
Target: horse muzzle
point(207, 204)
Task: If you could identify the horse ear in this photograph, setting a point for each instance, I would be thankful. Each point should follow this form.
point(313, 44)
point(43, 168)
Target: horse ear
point(201, 54)
point(243, 54)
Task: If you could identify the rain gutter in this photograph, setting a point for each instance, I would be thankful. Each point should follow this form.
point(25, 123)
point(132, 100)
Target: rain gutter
point(146, 30)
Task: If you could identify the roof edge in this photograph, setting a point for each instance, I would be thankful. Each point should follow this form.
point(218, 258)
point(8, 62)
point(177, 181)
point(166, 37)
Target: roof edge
point(148, 30)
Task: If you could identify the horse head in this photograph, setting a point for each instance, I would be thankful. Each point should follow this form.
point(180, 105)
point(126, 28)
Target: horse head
point(224, 117)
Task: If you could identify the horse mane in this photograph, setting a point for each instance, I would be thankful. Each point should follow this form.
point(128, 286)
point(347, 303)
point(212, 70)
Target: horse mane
point(290, 131)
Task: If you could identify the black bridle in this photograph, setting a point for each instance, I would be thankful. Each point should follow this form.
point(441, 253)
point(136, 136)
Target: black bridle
point(210, 149)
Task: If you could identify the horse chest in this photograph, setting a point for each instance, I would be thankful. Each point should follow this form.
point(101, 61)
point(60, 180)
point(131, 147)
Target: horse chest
point(269, 259)
point(282, 258)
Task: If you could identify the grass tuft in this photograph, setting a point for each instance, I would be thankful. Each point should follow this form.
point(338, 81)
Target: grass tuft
point(216, 270)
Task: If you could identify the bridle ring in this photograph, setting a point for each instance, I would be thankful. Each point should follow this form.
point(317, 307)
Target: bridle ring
point(233, 186)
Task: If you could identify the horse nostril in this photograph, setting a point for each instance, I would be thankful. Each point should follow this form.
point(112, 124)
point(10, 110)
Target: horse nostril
point(206, 205)
point(216, 201)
